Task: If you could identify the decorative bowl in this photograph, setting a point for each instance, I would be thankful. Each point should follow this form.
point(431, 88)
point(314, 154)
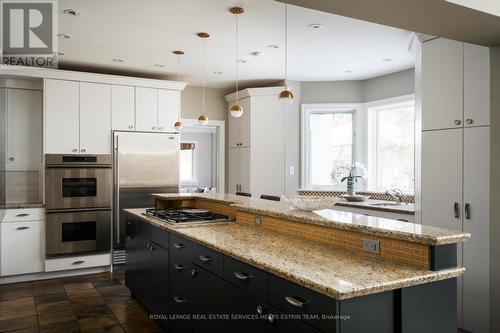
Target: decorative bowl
point(310, 203)
point(355, 197)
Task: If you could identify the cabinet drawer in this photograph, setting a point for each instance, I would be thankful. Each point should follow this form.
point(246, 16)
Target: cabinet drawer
point(208, 259)
point(294, 299)
point(22, 214)
point(136, 227)
point(180, 275)
point(181, 245)
point(61, 264)
point(160, 237)
point(246, 277)
point(281, 324)
point(22, 248)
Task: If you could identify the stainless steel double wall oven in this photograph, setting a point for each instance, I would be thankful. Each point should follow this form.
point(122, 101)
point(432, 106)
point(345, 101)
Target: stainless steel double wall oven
point(78, 203)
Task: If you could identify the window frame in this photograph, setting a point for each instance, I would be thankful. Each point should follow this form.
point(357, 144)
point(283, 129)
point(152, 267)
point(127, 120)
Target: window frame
point(371, 110)
point(306, 110)
point(194, 180)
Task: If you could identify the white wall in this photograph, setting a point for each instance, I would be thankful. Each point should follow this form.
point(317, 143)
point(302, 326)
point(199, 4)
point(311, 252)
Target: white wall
point(191, 103)
point(391, 85)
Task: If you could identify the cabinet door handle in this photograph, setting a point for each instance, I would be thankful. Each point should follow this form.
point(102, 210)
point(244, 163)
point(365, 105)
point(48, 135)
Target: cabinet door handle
point(22, 214)
point(205, 258)
point(179, 268)
point(78, 262)
point(270, 318)
point(161, 128)
point(295, 301)
point(402, 220)
point(74, 150)
point(456, 210)
point(194, 272)
point(83, 150)
point(11, 158)
point(469, 121)
point(131, 126)
point(179, 245)
point(152, 247)
point(458, 122)
point(179, 300)
point(242, 276)
point(467, 211)
point(153, 128)
point(22, 228)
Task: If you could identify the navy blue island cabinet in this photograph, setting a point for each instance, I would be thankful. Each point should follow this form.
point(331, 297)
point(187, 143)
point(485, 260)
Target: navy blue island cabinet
point(190, 288)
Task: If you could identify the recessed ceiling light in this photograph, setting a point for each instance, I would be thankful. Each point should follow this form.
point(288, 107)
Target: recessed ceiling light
point(347, 71)
point(315, 26)
point(217, 72)
point(273, 46)
point(242, 61)
point(63, 36)
point(159, 65)
point(118, 60)
point(72, 12)
point(387, 59)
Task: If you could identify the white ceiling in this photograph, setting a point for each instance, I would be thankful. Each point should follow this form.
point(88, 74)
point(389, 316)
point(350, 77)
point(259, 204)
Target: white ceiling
point(143, 33)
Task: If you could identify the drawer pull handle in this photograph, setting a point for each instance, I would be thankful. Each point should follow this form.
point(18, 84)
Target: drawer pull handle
point(179, 267)
point(179, 246)
point(402, 220)
point(22, 215)
point(205, 258)
point(295, 301)
point(22, 228)
point(179, 300)
point(78, 262)
point(242, 276)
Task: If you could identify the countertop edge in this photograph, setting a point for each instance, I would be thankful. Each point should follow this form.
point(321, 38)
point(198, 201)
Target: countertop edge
point(330, 292)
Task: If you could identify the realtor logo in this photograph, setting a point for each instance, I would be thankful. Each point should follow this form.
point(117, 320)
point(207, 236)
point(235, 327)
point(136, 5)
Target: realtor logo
point(28, 33)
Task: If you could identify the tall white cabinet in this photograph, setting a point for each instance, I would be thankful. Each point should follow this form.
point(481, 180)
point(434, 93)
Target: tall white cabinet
point(256, 157)
point(453, 91)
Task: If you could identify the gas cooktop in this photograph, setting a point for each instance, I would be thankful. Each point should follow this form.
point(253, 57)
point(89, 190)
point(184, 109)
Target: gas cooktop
point(187, 215)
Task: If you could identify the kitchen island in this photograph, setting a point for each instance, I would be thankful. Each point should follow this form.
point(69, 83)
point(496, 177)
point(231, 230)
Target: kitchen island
point(275, 260)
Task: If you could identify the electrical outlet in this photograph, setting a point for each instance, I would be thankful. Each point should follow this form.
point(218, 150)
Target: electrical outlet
point(257, 220)
point(371, 245)
point(292, 171)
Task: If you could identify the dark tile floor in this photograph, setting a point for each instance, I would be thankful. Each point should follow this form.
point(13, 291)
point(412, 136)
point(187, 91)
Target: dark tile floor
point(87, 303)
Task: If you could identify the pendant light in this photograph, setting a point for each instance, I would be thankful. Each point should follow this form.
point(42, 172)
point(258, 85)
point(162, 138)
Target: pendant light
point(236, 110)
point(286, 96)
point(178, 124)
point(203, 118)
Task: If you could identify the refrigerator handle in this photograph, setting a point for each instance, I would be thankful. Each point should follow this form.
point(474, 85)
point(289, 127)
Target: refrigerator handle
point(117, 193)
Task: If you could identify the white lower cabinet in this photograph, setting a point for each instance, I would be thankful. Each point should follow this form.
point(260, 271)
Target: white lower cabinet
point(455, 195)
point(67, 263)
point(22, 247)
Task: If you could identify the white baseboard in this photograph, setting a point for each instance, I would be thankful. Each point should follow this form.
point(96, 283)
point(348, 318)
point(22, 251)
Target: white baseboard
point(53, 275)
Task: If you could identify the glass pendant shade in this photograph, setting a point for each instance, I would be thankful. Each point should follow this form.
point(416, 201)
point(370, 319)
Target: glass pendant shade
point(236, 111)
point(286, 97)
point(203, 119)
point(178, 125)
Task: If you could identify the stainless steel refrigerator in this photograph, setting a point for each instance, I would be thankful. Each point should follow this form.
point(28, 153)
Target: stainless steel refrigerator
point(144, 163)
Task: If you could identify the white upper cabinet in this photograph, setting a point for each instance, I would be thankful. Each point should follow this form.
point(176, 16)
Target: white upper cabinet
point(62, 116)
point(95, 118)
point(24, 129)
point(476, 85)
point(146, 108)
point(169, 109)
point(442, 84)
point(123, 107)
point(239, 128)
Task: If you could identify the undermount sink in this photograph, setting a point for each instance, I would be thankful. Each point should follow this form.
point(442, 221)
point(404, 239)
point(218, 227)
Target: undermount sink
point(385, 204)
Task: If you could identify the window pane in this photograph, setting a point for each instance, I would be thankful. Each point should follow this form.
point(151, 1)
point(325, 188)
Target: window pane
point(186, 165)
point(395, 149)
point(330, 145)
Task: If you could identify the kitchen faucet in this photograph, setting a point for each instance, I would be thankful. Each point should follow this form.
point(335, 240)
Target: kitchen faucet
point(395, 194)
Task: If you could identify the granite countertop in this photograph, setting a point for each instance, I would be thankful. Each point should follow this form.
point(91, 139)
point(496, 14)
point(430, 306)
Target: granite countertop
point(403, 208)
point(21, 205)
point(333, 272)
point(332, 218)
